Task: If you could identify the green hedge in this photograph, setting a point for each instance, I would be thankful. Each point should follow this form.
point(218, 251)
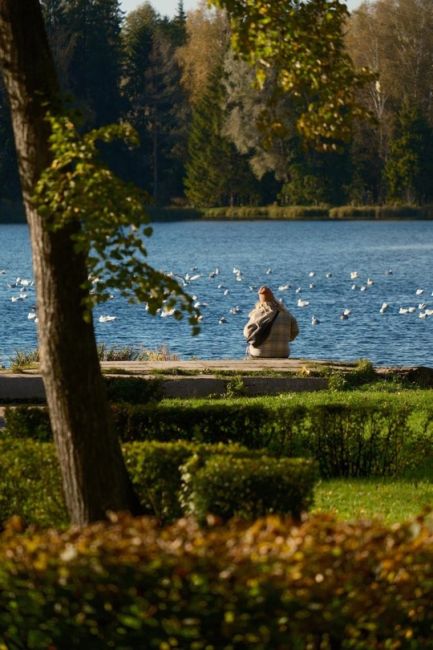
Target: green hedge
point(30, 483)
point(266, 586)
point(227, 486)
point(349, 434)
point(156, 470)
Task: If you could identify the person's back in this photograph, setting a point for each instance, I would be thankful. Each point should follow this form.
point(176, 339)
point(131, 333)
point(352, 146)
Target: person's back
point(284, 327)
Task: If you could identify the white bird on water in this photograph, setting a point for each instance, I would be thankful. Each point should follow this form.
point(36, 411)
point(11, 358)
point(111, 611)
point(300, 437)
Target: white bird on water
point(419, 292)
point(384, 307)
point(302, 303)
point(284, 287)
point(353, 275)
point(314, 320)
point(222, 320)
point(106, 319)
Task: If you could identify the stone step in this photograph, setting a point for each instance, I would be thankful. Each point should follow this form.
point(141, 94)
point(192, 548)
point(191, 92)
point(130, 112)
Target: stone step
point(29, 387)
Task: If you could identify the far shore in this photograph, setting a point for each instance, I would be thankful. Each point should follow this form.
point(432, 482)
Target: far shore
point(13, 213)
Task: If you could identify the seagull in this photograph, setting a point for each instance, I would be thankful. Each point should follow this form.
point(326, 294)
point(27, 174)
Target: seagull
point(235, 310)
point(222, 320)
point(370, 282)
point(312, 286)
point(226, 292)
point(328, 275)
point(268, 271)
point(354, 286)
point(363, 288)
point(31, 315)
point(353, 275)
point(388, 272)
point(422, 306)
point(284, 287)
point(106, 319)
point(419, 292)
point(384, 307)
point(214, 273)
point(315, 321)
point(406, 310)
point(311, 274)
point(422, 315)
point(236, 271)
point(167, 312)
point(302, 303)
point(298, 290)
point(347, 312)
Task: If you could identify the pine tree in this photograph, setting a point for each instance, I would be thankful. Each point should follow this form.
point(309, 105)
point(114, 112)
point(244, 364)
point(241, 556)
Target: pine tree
point(85, 38)
point(216, 174)
point(409, 167)
point(157, 104)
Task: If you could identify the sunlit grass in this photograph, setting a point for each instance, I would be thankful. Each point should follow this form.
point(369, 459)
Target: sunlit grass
point(392, 500)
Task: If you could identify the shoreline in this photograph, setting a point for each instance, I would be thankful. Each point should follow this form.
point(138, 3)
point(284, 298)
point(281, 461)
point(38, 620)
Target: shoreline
point(13, 213)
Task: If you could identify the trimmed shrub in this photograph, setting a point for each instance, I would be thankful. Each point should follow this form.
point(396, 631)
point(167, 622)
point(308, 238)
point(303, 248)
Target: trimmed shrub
point(228, 486)
point(265, 586)
point(349, 434)
point(31, 422)
point(30, 483)
point(156, 471)
point(135, 390)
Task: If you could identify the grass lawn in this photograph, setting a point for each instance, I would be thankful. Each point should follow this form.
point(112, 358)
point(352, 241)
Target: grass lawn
point(393, 500)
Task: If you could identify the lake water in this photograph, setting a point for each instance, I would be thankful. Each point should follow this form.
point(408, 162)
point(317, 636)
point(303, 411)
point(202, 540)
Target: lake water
point(395, 256)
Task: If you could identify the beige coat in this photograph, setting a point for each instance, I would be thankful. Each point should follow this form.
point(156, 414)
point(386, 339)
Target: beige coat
point(284, 329)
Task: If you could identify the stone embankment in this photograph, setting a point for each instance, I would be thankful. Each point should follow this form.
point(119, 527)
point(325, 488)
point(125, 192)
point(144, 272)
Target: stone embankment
point(200, 378)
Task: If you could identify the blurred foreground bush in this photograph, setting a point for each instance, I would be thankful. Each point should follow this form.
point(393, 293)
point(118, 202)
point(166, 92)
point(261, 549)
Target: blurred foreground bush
point(265, 586)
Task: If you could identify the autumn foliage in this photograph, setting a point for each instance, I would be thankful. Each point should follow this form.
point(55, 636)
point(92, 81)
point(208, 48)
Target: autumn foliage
point(269, 585)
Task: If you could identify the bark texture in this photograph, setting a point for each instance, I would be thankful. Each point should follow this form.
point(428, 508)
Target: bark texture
point(94, 475)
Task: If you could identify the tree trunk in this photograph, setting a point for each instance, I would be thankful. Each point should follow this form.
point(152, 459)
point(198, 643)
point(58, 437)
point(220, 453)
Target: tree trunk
point(94, 475)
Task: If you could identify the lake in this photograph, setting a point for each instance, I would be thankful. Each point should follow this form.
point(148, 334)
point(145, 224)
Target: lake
point(392, 261)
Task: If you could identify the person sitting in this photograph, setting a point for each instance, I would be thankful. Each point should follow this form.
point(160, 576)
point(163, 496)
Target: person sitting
point(283, 329)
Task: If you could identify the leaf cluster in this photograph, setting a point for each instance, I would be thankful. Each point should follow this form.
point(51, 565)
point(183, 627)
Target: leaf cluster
point(108, 220)
point(302, 43)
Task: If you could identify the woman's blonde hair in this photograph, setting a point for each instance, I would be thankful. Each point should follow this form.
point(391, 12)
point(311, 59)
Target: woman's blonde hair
point(270, 303)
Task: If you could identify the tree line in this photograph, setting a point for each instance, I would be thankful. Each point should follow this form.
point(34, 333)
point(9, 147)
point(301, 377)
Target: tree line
point(199, 112)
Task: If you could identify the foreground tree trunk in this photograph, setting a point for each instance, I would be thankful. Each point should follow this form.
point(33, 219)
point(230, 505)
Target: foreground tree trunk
point(94, 475)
